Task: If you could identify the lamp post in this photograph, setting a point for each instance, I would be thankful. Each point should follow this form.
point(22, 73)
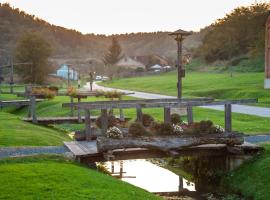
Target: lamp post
point(179, 37)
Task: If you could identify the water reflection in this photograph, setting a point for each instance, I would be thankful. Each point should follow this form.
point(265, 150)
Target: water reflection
point(148, 176)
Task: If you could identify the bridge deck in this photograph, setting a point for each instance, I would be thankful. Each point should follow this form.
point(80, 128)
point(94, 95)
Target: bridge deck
point(87, 150)
point(24, 102)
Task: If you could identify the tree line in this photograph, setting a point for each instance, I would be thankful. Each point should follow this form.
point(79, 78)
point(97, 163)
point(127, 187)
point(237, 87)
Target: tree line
point(242, 32)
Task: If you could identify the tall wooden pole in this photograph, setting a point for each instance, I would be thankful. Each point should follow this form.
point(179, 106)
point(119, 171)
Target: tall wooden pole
point(11, 75)
point(179, 66)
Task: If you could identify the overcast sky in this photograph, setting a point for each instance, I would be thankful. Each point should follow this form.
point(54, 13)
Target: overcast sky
point(125, 16)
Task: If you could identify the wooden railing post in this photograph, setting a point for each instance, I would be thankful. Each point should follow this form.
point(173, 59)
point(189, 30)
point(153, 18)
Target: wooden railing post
point(121, 113)
point(79, 111)
point(228, 118)
point(88, 130)
point(33, 108)
point(104, 121)
point(139, 114)
point(72, 106)
point(167, 115)
point(189, 115)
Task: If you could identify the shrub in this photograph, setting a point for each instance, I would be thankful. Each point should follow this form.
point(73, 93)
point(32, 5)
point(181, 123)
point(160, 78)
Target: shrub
point(54, 88)
point(137, 129)
point(112, 94)
point(112, 121)
point(147, 120)
point(175, 118)
point(166, 129)
point(155, 127)
point(43, 92)
point(71, 91)
point(99, 93)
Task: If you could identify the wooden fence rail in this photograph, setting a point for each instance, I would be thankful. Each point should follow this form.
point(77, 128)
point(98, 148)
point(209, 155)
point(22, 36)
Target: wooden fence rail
point(167, 104)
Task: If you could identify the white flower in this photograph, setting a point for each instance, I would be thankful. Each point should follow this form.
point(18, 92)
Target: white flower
point(219, 129)
point(177, 129)
point(114, 132)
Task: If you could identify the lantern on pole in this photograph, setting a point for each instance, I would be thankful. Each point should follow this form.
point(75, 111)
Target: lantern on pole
point(180, 35)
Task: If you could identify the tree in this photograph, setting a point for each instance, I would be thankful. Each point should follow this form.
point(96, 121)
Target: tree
point(32, 48)
point(113, 55)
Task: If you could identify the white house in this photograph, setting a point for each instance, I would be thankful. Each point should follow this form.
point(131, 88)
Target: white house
point(63, 72)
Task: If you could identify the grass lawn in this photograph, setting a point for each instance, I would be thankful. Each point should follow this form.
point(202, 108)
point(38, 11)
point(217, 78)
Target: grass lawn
point(252, 178)
point(200, 84)
point(14, 132)
point(53, 177)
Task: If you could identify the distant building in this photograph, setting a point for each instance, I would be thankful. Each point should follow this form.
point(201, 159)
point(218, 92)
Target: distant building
point(129, 62)
point(63, 72)
point(150, 60)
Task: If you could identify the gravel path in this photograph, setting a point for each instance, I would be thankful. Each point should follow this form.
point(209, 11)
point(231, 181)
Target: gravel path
point(26, 151)
point(243, 109)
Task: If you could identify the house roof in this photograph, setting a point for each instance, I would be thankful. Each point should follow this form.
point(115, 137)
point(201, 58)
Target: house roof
point(180, 31)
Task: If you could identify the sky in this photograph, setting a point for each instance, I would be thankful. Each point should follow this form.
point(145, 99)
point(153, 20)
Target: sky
point(126, 16)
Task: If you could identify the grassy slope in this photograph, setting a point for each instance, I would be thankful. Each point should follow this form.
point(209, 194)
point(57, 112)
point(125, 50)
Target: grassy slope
point(216, 85)
point(54, 178)
point(14, 132)
point(253, 178)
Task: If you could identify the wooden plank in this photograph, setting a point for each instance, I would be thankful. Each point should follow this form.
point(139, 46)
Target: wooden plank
point(82, 148)
point(79, 111)
point(72, 106)
point(118, 104)
point(33, 109)
point(189, 114)
point(167, 115)
point(142, 101)
point(139, 114)
point(104, 121)
point(228, 118)
point(88, 130)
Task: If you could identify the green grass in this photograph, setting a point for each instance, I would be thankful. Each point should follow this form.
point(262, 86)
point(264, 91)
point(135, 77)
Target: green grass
point(200, 84)
point(14, 132)
point(52, 177)
point(252, 179)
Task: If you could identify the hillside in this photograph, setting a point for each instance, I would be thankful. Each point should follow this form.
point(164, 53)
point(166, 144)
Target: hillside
point(73, 44)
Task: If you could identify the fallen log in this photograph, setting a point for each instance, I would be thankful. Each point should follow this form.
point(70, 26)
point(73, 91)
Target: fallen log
point(167, 143)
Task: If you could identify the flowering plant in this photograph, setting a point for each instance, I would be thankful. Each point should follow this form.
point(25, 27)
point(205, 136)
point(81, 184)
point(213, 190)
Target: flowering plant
point(114, 132)
point(177, 129)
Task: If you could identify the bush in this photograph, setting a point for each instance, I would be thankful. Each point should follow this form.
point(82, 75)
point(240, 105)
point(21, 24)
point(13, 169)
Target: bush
point(43, 92)
point(71, 91)
point(147, 120)
point(175, 118)
point(112, 94)
point(54, 88)
point(166, 129)
point(137, 129)
point(161, 128)
point(112, 121)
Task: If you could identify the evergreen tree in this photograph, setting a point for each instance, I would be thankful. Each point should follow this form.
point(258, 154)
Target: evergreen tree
point(113, 55)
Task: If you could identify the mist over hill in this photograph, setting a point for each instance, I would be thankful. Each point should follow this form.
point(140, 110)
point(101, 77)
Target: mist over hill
point(72, 44)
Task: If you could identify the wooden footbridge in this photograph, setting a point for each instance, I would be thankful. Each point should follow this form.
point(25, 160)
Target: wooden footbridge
point(96, 147)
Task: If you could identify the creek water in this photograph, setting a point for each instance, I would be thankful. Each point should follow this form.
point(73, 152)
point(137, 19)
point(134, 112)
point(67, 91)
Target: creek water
point(146, 175)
